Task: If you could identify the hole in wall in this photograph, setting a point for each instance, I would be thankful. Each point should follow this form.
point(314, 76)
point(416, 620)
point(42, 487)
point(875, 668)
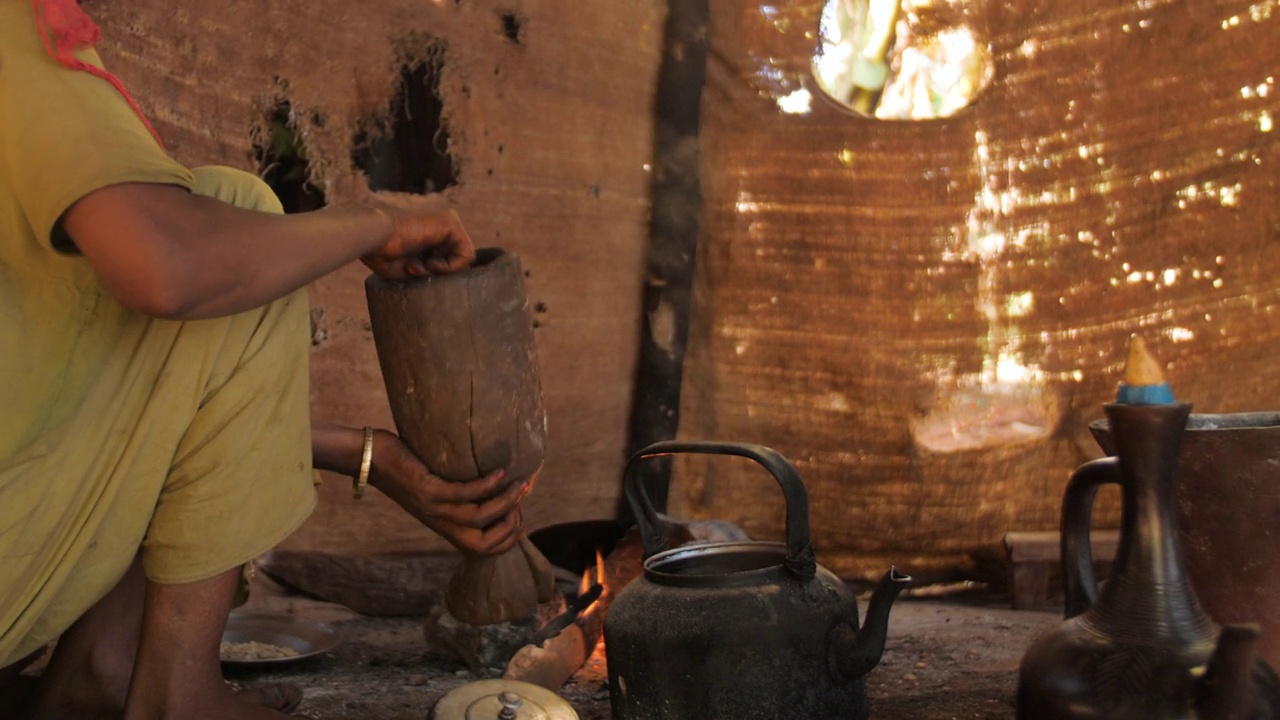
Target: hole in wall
point(901, 59)
point(512, 25)
point(408, 151)
point(283, 163)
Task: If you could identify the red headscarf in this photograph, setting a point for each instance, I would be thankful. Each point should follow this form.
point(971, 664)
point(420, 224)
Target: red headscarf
point(64, 27)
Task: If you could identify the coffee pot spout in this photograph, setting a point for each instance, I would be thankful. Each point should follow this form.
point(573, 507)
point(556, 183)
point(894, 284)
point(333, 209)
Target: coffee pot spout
point(854, 651)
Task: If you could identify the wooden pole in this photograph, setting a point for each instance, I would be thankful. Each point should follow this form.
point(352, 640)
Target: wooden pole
point(460, 367)
point(673, 242)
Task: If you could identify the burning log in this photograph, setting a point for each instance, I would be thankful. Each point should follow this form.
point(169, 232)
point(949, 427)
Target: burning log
point(458, 360)
point(551, 665)
point(564, 646)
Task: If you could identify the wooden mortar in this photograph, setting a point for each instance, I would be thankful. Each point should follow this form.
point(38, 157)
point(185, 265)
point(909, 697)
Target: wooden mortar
point(460, 367)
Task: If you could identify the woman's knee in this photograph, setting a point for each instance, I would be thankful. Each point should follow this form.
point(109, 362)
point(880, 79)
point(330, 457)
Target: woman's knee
point(236, 187)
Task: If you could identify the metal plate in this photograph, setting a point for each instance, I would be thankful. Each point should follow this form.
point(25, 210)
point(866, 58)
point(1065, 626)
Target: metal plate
point(307, 637)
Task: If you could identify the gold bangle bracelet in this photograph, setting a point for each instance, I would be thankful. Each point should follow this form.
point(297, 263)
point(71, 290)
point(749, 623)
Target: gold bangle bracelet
point(366, 464)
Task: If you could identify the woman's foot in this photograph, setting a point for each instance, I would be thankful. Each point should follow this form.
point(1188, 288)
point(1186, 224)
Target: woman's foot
point(281, 697)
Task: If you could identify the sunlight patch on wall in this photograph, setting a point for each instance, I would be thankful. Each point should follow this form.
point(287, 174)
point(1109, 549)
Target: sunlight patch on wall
point(901, 59)
point(1007, 403)
point(799, 102)
point(1010, 400)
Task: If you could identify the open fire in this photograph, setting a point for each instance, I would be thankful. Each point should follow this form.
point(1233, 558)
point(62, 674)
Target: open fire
point(596, 577)
point(566, 643)
point(575, 638)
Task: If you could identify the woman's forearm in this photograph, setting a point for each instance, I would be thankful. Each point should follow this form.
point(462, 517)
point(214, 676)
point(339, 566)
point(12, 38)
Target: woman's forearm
point(480, 516)
point(336, 448)
point(170, 253)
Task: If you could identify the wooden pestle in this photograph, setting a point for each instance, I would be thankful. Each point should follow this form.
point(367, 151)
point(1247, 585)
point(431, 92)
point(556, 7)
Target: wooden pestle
point(460, 367)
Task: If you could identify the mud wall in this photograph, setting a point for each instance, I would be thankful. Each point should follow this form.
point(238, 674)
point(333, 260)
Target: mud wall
point(545, 116)
point(924, 315)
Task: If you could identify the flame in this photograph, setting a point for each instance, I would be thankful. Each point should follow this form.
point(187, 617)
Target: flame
point(591, 576)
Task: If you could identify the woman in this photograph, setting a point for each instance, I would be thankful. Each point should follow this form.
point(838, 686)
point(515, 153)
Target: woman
point(154, 427)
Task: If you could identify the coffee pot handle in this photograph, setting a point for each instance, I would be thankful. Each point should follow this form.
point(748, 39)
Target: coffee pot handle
point(800, 559)
point(1080, 583)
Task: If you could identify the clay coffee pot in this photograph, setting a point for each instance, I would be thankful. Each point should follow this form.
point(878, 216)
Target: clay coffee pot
point(1229, 517)
point(1140, 647)
point(738, 630)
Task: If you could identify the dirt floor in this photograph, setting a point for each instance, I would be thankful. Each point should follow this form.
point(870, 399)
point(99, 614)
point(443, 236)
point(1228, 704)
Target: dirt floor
point(953, 656)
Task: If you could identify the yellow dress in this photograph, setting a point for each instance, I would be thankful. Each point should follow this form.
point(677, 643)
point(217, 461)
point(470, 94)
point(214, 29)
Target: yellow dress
point(189, 441)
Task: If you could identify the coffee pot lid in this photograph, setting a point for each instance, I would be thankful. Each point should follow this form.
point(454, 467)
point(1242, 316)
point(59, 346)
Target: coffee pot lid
point(502, 699)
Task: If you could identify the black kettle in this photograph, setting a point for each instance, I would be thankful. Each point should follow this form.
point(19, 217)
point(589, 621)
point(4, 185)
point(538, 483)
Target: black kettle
point(739, 630)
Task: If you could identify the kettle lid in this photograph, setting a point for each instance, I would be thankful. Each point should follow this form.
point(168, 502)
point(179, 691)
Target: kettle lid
point(502, 699)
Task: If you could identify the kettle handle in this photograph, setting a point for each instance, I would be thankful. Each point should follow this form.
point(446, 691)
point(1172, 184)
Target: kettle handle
point(1080, 583)
point(800, 559)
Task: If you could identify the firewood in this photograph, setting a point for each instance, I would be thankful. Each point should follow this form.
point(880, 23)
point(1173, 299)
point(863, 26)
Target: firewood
point(552, 663)
point(460, 367)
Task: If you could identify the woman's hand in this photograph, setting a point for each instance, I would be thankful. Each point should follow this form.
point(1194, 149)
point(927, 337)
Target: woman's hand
point(480, 516)
point(422, 243)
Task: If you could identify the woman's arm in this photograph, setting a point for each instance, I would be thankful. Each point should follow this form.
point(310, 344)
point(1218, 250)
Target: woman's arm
point(480, 516)
point(167, 252)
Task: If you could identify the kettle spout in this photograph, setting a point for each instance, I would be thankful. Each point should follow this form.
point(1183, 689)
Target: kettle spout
point(1226, 690)
point(854, 652)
